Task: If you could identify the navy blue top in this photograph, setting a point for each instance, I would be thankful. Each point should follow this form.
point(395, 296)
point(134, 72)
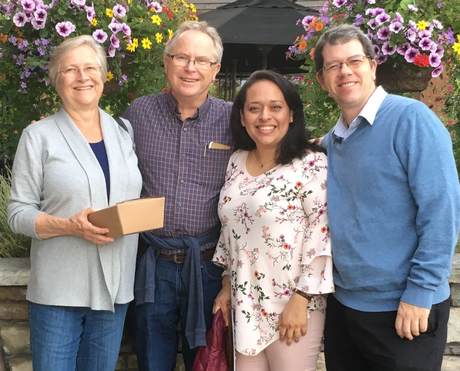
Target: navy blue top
point(101, 155)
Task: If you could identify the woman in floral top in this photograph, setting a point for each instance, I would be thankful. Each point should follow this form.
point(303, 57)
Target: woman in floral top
point(274, 242)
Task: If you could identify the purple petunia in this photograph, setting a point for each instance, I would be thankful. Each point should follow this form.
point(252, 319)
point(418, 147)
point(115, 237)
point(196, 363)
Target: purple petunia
point(115, 26)
point(100, 35)
point(119, 11)
point(78, 3)
point(20, 19)
point(381, 58)
point(339, 3)
point(398, 18)
point(90, 12)
point(411, 35)
point(425, 43)
point(372, 23)
point(114, 41)
point(387, 49)
point(40, 14)
point(395, 26)
point(111, 51)
point(402, 49)
point(307, 20)
point(425, 33)
point(437, 71)
point(410, 54)
point(435, 60)
point(359, 20)
point(155, 5)
point(382, 18)
point(126, 29)
point(65, 28)
point(383, 33)
point(28, 5)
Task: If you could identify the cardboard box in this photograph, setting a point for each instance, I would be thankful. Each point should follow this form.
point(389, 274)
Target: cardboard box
point(133, 216)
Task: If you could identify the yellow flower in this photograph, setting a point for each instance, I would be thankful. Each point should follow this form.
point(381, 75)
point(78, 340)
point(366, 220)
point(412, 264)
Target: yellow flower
point(155, 19)
point(456, 48)
point(129, 2)
point(93, 22)
point(458, 37)
point(421, 25)
point(109, 76)
point(170, 34)
point(193, 8)
point(109, 12)
point(159, 37)
point(131, 48)
point(146, 43)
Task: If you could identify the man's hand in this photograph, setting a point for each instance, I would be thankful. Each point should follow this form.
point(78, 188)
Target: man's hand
point(411, 320)
point(293, 321)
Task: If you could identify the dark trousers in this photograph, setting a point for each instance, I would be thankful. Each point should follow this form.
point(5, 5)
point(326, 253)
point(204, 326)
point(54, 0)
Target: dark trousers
point(156, 333)
point(367, 341)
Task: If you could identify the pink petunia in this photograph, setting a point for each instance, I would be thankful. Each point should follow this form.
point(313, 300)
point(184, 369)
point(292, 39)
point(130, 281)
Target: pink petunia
point(65, 28)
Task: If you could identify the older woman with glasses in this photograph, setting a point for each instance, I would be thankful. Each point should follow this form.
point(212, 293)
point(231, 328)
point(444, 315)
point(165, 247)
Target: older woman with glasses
point(66, 165)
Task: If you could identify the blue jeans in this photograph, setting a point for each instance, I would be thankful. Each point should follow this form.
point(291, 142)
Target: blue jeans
point(75, 338)
point(156, 333)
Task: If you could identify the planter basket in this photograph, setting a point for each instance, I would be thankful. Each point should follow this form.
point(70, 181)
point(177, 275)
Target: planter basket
point(405, 78)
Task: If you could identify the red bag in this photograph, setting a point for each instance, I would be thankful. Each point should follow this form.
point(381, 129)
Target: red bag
point(212, 357)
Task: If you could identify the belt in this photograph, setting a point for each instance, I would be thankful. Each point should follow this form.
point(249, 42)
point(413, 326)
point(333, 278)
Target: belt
point(178, 256)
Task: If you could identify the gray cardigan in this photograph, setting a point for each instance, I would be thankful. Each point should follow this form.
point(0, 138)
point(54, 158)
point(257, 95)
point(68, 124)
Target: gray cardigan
point(56, 172)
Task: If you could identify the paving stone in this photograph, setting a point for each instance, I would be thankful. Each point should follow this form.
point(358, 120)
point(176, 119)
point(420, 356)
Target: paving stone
point(453, 334)
point(321, 365)
point(14, 271)
point(14, 310)
point(13, 293)
point(455, 293)
point(450, 363)
point(15, 337)
point(22, 363)
point(452, 349)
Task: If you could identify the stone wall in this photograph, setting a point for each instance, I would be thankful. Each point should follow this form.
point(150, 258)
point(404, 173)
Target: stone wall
point(14, 330)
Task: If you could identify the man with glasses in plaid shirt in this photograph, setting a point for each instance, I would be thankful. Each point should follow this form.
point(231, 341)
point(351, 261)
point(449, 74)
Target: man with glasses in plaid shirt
point(183, 143)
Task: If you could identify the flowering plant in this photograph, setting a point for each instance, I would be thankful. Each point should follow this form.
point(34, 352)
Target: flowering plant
point(402, 31)
point(133, 32)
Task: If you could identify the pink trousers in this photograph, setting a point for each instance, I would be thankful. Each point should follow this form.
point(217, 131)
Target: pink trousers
point(279, 356)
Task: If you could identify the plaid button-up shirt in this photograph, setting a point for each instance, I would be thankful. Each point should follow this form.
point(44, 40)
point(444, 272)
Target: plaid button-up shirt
point(175, 160)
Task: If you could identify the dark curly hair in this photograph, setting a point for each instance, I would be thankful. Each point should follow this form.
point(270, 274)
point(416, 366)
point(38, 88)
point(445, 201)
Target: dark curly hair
point(296, 141)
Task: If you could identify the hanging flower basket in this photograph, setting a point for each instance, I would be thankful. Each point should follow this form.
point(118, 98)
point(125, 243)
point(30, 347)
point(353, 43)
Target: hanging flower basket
point(398, 78)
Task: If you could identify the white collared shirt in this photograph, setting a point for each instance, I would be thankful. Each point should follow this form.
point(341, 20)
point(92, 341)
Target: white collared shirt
point(369, 111)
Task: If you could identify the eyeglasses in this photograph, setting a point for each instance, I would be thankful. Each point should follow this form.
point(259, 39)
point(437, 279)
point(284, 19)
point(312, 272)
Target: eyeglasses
point(182, 60)
point(88, 69)
point(354, 62)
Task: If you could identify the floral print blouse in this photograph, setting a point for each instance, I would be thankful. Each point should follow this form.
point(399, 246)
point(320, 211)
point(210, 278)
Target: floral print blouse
point(274, 238)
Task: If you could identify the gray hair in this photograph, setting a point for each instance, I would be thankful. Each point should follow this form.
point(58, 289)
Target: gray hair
point(69, 44)
point(201, 26)
point(341, 35)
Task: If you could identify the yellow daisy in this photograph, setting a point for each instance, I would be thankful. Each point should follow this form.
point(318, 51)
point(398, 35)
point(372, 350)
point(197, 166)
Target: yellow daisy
point(146, 43)
point(109, 76)
point(421, 25)
point(109, 12)
point(155, 19)
point(93, 22)
point(159, 37)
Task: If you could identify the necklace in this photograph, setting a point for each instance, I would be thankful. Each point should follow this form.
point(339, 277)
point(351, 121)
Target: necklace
point(269, 164)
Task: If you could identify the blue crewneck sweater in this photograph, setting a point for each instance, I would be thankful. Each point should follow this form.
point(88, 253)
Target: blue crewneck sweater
point(394, 208)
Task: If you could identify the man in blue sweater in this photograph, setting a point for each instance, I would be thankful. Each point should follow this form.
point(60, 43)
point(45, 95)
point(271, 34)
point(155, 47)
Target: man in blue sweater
point(394, 211)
